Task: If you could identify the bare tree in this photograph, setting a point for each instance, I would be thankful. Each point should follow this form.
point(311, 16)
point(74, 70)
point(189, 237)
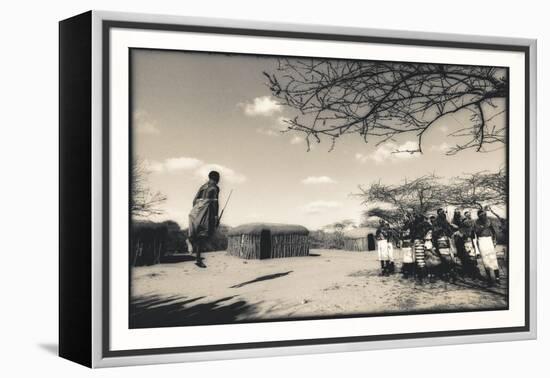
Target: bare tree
point(422, 194)
point(381, 100)
point(393, 217)
point(144, 202)
point(481, 190)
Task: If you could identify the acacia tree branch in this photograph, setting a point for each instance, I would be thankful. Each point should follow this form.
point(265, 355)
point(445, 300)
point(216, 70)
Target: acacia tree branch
point(381, 100)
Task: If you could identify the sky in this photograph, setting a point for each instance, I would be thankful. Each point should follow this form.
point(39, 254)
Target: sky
point(195, 112)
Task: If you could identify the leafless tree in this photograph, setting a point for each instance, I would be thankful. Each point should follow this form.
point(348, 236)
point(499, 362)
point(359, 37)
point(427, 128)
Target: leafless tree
point(393, 217)
point(422, 195)
point(378, 101)
point(144, 202)
point(481, 190)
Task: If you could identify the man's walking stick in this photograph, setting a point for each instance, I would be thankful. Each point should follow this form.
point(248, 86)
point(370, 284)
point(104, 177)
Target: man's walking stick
point(224, 206)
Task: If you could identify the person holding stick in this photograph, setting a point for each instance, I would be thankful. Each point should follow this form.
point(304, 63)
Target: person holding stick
point(203, 218)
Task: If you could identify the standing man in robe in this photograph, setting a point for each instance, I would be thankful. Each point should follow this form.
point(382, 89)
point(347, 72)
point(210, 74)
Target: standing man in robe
point(382, 236)
point(420, 228)
point(442, 232)
point(442, 227)
point(408, 253)
point(458, 238)
point(203, 218)
point(486, 239)
point(470, 254)
point(457, 219)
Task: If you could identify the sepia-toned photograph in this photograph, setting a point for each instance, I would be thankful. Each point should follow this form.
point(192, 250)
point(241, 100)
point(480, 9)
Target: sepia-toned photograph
point(274, 188)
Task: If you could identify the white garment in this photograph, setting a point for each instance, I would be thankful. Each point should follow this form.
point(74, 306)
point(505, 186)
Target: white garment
point(488, 252)
point(408, 255)
point(419, 254)
point(383, 250)
point(470, 249)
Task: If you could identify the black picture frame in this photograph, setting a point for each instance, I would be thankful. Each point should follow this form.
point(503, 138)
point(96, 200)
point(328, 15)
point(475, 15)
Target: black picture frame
point(79, 38)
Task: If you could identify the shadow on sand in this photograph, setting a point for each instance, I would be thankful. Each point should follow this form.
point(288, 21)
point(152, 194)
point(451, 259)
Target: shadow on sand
point(262, 278)
point(171, 259)
point(156, 311)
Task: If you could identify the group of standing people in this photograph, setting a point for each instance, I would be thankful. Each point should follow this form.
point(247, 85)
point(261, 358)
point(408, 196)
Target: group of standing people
point(436, 248)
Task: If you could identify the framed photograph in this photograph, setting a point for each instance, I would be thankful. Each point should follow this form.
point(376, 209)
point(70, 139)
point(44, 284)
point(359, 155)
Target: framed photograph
point(235, 189)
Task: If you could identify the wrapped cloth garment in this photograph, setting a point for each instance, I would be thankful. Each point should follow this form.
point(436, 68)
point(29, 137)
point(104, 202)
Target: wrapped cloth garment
point(202, 217)
point(456, 256)
point(444, 249)
point(470, 265)
point(199, 219)
point(441, 227)
point(408, 255)
point(383, 250)
point(467, 227)
point(431, 257)
point(452, 246)
point(488, 252)
point(484, 227)
point(390, 251)
point(419, 255)
point(469, 249)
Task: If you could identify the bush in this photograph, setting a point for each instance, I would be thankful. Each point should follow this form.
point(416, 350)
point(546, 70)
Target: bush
point(176, 237)
point(150, 241)
point(218, 241)
point(326, 240)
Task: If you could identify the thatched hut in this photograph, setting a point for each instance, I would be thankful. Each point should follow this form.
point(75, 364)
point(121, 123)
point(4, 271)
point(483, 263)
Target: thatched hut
point(148, 242)
point(268, 241)
point(360, 239)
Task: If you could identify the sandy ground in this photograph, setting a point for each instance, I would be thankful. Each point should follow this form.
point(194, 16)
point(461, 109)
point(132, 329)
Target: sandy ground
point(328, 283)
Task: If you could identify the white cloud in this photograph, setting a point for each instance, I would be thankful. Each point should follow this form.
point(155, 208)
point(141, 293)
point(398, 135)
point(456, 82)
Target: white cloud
point(361, 157)
point(276, 128)
point(227, 174)
point(181, 163)
point(268, 132)
point(443, 128)
point(443, 147)
point(153, 166)
point(296, 140)
point(199, 168)
point(173, 164)
point(144, 124)
point(386, 152)
point(317, 207)
point(261, 106)
point(318, 180)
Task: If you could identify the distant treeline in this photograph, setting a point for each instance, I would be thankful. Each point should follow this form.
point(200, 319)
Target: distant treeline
point(320, 239)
